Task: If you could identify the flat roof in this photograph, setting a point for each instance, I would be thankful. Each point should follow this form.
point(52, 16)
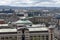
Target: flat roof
point(38, 25)
point(38, 29)
point(8, 30)
point(30, 29)
point(3, 24)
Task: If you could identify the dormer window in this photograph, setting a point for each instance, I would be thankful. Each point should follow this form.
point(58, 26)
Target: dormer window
point(20, 15)
point(58, 27)
point(20, 26)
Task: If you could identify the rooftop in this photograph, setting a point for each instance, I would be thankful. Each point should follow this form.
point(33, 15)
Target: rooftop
point(38, 29)
point(30, 29)
point(38, 25)
point(3, 25)
point(22, 22)
point(8, 30)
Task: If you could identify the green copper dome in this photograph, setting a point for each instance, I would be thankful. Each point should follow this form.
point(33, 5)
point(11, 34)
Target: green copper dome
point(23, 21)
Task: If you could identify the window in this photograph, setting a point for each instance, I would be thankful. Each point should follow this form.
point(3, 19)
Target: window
point(30, 14)
point(20, 14)
point(31, 38)
point(37, 37)
point(10, 37)
point(41, 37)
point(47, 37)
point(6, 37)
point(58, 27)
point(34, 37)
point(14, 38)
point(2, 38)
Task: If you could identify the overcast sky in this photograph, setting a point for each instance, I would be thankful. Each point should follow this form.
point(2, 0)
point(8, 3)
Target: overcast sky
point(55, 3)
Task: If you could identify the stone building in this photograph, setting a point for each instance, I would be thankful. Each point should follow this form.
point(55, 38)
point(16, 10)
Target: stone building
point(22, 31)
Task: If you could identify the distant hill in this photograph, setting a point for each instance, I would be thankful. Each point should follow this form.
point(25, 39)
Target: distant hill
point(28, 8)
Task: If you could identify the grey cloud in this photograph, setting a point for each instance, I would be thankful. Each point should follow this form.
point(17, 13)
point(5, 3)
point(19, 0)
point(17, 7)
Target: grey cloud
point(32, 2)
point(44, 0)
point(38, 1)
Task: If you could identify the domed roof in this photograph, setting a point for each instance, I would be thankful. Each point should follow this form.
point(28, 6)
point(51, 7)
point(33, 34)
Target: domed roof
point(22, 21)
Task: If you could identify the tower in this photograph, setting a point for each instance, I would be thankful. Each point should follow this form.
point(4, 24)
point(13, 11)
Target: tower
point(22, 33)
point(51, 32)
